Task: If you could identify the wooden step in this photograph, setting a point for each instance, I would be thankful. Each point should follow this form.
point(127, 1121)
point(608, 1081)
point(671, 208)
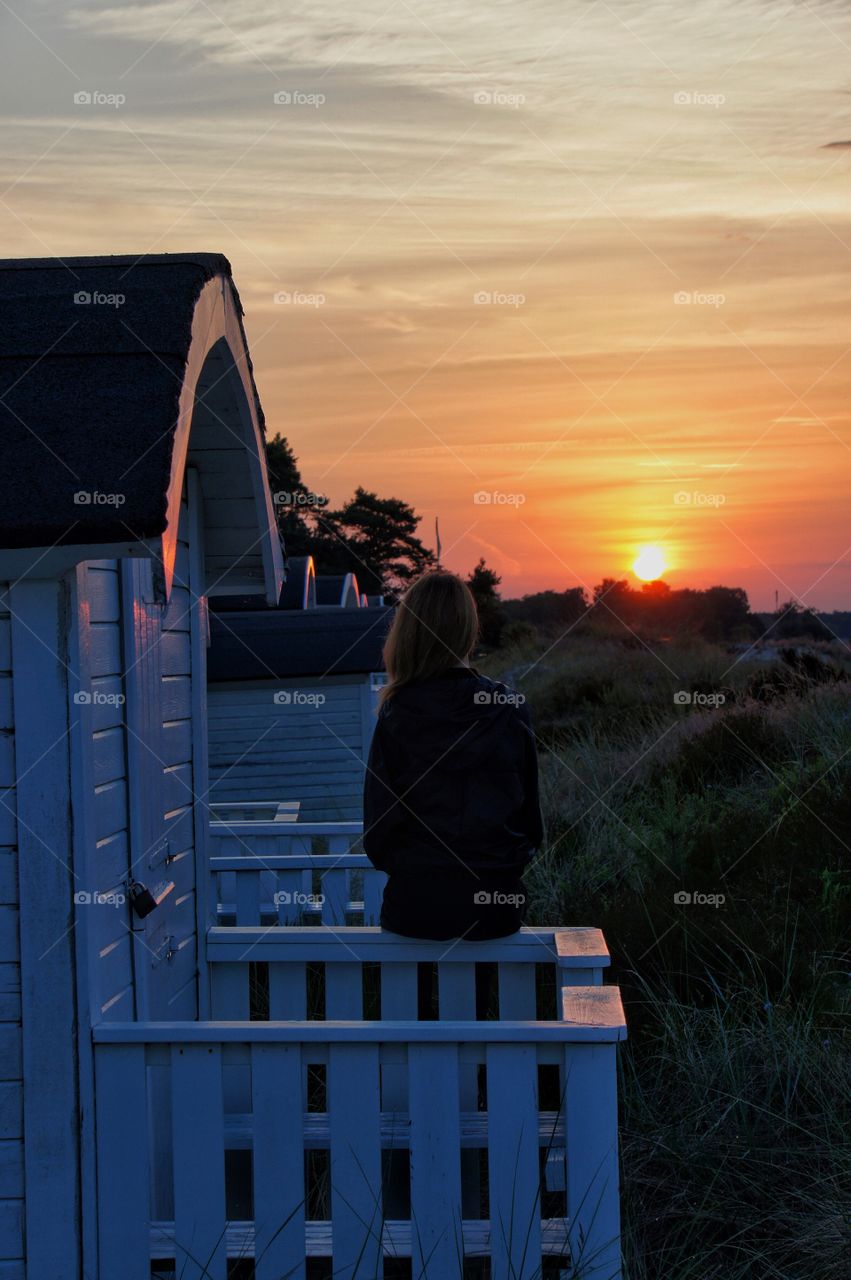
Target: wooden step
point(395, 1130)
point(396, 1239)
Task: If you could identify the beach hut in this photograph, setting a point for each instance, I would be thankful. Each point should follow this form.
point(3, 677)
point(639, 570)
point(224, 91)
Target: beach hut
point(292, 703)
point(133, 480)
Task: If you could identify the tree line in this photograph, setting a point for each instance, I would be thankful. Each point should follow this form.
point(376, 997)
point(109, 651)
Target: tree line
point(376, 539)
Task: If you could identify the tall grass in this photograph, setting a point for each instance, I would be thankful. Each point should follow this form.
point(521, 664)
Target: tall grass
point(736, 1079)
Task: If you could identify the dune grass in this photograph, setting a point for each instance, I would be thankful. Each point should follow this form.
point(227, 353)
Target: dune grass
point(736, 1079)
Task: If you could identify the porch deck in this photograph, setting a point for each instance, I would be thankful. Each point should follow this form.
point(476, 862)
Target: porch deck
point(330, 1111)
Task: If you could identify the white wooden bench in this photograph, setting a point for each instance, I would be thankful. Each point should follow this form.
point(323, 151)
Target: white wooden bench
point(388, 1083)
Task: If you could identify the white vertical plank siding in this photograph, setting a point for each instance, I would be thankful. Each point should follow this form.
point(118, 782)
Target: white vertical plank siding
point(590, 1114)
point(279, 1208)
point(436, 1227)
point(124, 1234)
point(199, 1163)
point(199, 640)
point(173, 982)
point(373, 892)
point(399, 1000)
point(229, 992)
point(101, 763)
point(141, 623)
point(516, 991)
point(335, 891)
point(46, 888)
point(344, 990)
point(356, 1203)
point(513, 1175)
point(287, 991)
point(456, 995)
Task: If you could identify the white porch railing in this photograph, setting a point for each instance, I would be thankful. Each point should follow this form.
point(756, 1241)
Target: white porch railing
point(385, 1085)
point(293, 873)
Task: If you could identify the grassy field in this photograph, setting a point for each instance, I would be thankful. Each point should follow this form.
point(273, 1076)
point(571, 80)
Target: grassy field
point(736, 1079)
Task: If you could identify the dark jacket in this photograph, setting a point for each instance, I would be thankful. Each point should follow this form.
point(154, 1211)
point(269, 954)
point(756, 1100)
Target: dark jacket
point(451, 788)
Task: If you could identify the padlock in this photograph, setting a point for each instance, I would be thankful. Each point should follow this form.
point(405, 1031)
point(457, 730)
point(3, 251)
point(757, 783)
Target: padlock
point(142, 900)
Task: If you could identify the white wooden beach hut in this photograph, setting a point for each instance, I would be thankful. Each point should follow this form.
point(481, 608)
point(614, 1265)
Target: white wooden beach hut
point(133, 476)
point(292, 702)
point(159, 1058)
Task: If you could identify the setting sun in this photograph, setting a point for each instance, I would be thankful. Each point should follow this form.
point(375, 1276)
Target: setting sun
point(649, 564)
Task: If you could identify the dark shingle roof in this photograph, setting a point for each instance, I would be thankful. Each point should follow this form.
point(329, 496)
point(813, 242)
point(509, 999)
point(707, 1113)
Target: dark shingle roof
point(89, 391)
point(274, 644)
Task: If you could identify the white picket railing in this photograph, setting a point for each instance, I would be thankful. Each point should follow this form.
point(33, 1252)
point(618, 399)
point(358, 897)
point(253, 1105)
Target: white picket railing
point(298, 872)
point(385, 1086)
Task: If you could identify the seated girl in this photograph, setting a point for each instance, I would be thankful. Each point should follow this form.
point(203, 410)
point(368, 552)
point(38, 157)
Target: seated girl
point(451, 809)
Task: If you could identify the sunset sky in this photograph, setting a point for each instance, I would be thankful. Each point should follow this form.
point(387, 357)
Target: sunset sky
point(653, 199)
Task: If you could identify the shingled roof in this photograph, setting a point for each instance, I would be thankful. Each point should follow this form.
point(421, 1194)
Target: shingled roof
point(92, 359)
point(266, 644)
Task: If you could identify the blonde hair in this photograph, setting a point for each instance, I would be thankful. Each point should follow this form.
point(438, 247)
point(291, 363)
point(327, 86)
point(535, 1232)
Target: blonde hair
point(436, 626)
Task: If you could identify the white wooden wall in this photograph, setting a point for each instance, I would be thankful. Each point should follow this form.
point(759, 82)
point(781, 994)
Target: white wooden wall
point(137, 766)
point(266, 750)
point(11, 1086)
point(107, 928)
